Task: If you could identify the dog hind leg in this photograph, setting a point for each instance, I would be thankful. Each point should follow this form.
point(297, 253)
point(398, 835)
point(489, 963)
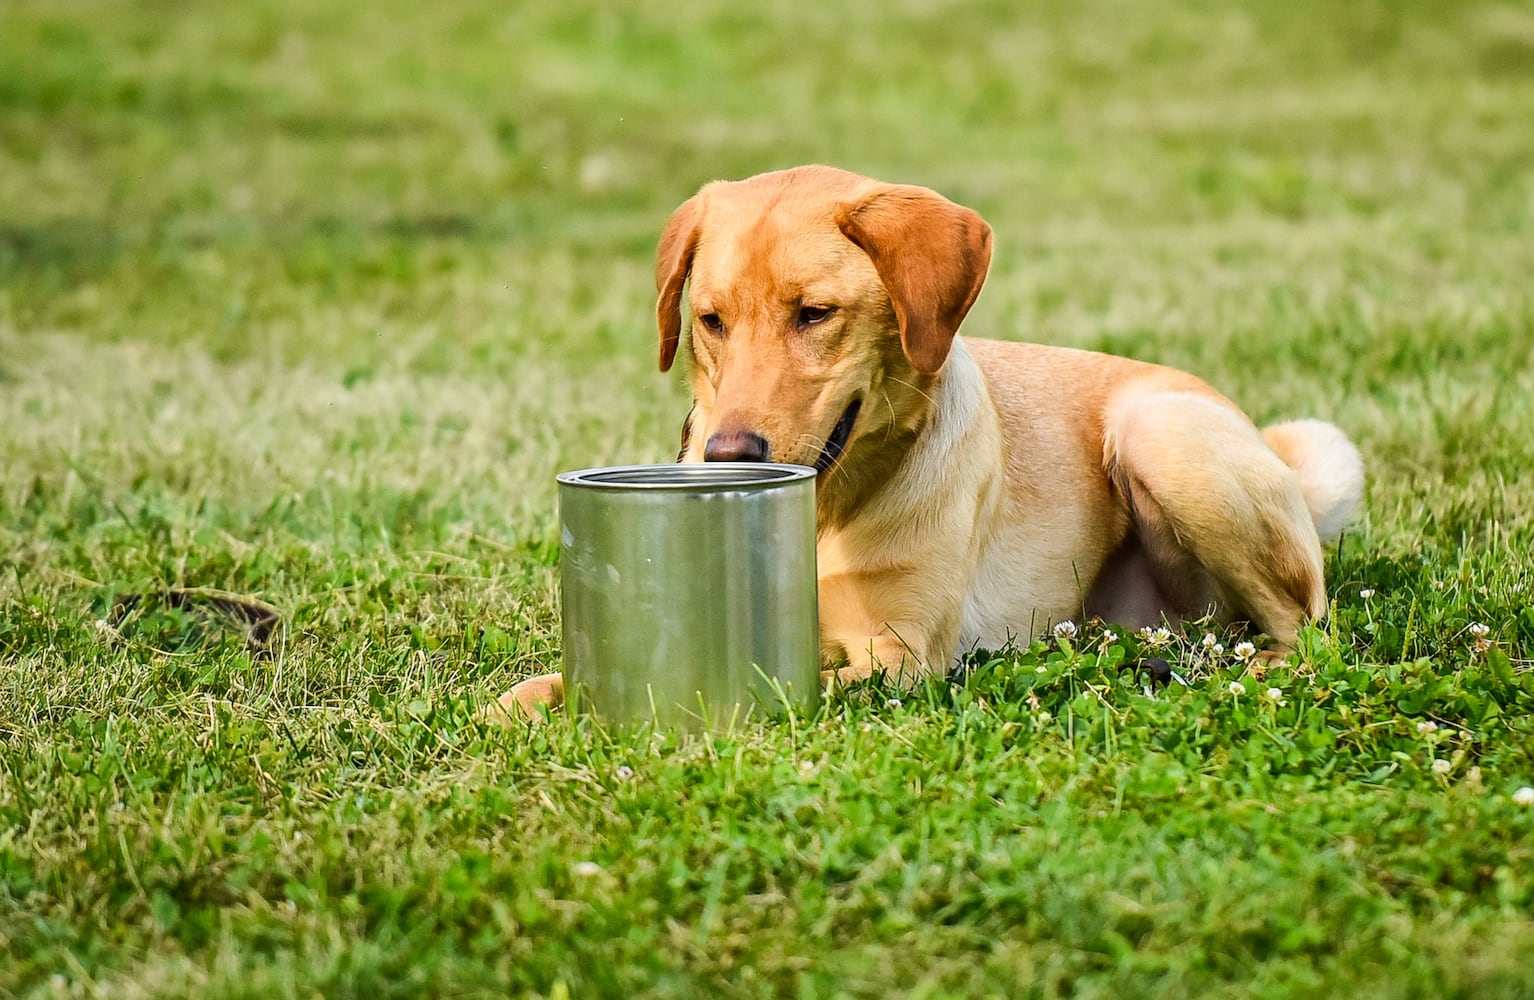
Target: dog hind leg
point(1218, 511)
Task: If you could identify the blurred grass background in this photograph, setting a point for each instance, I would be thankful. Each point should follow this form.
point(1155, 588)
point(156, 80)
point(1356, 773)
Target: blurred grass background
point(1324, 208)
point(312, 301)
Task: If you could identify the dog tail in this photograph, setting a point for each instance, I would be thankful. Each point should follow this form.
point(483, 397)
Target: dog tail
point(1330, 469)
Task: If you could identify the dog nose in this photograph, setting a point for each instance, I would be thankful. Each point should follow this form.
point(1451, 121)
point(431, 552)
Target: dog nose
point(736, 446)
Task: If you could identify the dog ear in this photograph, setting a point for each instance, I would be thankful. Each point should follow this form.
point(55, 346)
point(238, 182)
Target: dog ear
point(673, 260)
point(932, 256)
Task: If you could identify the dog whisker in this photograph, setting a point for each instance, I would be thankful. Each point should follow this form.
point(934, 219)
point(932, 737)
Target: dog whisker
point(812, 441)
point(923, 395)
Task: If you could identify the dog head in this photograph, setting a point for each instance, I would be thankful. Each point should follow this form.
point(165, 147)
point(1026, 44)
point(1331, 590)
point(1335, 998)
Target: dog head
point(821, 305)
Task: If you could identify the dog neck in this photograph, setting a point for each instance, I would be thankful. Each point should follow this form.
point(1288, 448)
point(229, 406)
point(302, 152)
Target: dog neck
point(884, 471)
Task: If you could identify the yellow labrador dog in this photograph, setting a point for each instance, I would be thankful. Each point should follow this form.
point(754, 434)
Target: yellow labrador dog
point(971, 491)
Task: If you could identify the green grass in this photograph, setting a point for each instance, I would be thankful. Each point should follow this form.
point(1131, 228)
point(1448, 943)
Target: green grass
point(310, 302)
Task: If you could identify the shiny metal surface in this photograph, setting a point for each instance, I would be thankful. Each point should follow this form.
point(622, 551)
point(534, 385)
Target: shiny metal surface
point(689, 591)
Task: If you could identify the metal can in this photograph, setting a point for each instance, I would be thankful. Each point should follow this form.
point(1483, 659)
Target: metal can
point(688, 592)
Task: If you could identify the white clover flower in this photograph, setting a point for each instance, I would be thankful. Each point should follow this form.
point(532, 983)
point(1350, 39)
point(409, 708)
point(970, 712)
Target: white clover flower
point(1275, 694)
point(1366, 593)
point(1065, 630)
point(1524, 796)
point(1426, 727)
point(1144, 633)
point(1210, 641)
point(624, 772)
point(1236, 687)
point(586, 869)
point(1441, 766)
point(1479, 630)
point(1217, 648)
point(807, 767)
point(1245, 650)
point(892, 703)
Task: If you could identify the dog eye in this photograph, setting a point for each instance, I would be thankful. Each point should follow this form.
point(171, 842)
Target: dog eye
point(810, 315)
point(712, 321)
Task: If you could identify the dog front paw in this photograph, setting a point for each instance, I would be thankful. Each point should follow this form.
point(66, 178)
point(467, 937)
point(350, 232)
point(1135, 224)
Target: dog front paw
point(528, 701)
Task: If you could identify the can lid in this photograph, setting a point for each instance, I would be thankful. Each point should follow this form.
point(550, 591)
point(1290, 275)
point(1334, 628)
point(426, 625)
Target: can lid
point(689, 476)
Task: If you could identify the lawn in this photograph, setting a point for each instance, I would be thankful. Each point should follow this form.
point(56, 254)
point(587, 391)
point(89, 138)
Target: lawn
point(310, 302)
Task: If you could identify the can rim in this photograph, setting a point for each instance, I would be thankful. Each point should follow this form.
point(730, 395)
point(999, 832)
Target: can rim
point(691, 477)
